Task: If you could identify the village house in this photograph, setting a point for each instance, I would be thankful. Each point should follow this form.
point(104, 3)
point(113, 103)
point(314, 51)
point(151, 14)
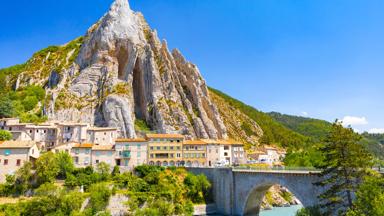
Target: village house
point(72, 132)
point(165, 149)
point(101, 135)
point(221, 153)
point(82, 154)
point(270, 155)
point(13, 154)
point(131, 153)
point(103, 153)
point(195, 153)
point(5, 122)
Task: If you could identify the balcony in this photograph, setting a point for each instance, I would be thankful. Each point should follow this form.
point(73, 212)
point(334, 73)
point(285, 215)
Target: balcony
point(126, 154)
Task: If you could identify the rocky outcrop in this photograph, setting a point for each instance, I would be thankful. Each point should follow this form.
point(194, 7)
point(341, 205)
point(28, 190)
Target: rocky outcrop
point(124, 72)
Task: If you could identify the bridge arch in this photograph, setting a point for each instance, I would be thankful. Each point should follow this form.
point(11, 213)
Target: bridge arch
point(254, 199)
point(250, 189)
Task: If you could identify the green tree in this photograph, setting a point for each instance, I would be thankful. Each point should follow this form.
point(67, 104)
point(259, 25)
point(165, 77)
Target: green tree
point(99, 197)
point(6, 108)
point(115, 171)
point(369, 197)
point(5, 135)
point(30, 103)
point(103, 169)
point(23, 178)
point(345, 165)
point(65, 163)
point(309, 211)
point(47, 168)
point(197, 187)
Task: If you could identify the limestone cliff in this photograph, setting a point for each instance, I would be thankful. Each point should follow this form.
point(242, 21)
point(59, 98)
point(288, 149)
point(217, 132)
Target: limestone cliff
point(122, 73)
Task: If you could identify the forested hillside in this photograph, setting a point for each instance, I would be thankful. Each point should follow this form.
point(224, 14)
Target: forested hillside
point(317, 129)
point(314, 128)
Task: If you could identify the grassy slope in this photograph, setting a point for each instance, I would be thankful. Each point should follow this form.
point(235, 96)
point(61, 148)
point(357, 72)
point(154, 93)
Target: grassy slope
point(274, 132)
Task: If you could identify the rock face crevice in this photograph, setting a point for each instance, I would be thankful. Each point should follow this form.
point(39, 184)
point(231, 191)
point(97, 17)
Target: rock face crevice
point(127, 73)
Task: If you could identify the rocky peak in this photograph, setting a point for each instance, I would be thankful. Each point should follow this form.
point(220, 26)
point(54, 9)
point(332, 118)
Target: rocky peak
point(123, 73)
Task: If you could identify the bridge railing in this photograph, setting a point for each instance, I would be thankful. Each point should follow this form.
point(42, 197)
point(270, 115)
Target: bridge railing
point(310, 169)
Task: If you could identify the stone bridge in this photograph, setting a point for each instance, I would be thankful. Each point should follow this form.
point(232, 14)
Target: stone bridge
point(241, 191)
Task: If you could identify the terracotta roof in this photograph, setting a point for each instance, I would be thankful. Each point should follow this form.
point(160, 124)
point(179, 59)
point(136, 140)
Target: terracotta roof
point(222, 142)
point(83, 145)
point(72, 124)
point(101, 129)
point(102, 148)
point(194, 142)
point(131, 140)
point(17, 144)
point(165, 136)
point(257, 152)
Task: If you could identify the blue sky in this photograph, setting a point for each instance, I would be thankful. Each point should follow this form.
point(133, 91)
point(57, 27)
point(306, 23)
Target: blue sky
point(317, 58)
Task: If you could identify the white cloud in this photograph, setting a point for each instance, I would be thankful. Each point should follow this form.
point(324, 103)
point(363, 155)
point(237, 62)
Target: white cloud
point(304, 113)
point(376, 130)
point(353, 121)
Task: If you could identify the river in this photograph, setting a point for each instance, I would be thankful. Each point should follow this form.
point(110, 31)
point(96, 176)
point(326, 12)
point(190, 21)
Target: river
point(282, 211)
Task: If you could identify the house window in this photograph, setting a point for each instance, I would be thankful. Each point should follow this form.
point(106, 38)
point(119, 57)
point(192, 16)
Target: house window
point(178, 155)
point(138, 146)
point(97, 153)
point(151, 155)
point(158, 147)
point(171, 147)
point(97, 161)
point(87, 151)
point(151, 148)
point(178, 147)
point(225, 153)
point(18, 162)
point(77, 151)
point(5, 161)
point(226, 147)
point(138, 154)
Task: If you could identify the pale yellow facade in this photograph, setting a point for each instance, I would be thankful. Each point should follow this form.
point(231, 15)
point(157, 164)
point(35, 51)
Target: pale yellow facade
point(165, 149)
